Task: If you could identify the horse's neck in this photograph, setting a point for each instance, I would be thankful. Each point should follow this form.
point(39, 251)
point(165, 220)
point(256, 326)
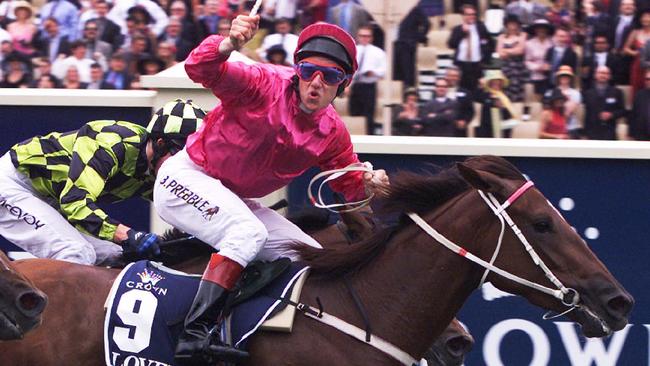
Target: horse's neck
point(416, 286)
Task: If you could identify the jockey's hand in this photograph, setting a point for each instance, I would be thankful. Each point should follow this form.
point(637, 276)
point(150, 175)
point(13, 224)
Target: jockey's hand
point(144, 244)
point(242, 30)
point(376, 182)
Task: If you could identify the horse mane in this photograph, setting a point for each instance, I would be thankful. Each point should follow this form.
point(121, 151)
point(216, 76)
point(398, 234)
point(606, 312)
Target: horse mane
point(182, 251)
point(408, 192)
point(310, 219)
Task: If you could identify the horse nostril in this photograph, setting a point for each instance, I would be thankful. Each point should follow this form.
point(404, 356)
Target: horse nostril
point(31, 303)
point(459, 346)
point(619, 306)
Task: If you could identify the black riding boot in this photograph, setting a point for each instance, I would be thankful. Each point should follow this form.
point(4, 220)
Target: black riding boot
point(197, 345)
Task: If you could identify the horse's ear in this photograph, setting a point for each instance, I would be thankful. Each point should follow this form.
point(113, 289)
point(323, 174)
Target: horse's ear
point(477, 179)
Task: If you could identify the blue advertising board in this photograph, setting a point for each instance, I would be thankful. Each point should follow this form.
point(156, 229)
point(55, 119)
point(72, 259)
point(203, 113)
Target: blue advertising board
point(608, 203)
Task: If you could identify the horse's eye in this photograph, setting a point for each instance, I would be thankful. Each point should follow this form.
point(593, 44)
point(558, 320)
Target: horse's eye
point(543, 226)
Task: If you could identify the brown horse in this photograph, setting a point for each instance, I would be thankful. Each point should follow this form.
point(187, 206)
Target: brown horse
point(411, 286)
point(73, 331)
point(21, 304)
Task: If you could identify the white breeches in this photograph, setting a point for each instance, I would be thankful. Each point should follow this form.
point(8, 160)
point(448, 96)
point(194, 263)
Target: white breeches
point(241, 229)
point(28, 221)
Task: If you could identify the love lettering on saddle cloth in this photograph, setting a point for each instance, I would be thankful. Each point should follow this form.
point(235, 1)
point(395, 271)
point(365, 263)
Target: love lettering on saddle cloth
point(148, 303)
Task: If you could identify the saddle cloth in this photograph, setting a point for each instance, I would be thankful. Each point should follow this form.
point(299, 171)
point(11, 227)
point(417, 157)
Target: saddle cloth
point(148, 303)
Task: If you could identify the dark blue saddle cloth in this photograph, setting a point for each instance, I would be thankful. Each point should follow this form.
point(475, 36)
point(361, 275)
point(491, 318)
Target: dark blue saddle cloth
point(148, 304)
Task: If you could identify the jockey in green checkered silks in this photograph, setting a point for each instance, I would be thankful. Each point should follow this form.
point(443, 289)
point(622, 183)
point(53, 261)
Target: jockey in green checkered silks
point(50, 185)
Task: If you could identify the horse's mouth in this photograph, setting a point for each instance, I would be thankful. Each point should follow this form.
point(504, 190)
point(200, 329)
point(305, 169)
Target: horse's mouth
point(9, 327)
point(595, 325)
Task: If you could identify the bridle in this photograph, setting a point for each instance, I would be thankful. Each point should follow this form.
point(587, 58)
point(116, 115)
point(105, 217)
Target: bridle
point(568, 296)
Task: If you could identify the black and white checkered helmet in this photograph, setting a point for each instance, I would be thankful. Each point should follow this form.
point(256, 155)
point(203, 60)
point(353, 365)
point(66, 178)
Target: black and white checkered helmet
point(176, 120)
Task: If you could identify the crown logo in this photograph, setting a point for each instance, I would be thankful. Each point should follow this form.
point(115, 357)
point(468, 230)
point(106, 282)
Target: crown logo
point(150, 277)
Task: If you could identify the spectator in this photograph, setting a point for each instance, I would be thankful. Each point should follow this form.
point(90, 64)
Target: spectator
point(559, 15)
point(6, 48)
point(167, 53)
point(72, 79)
point(93, 43)
point(78, 60)
point(527, 11)
point(597, 22)
point(150, 66)
point(44, 67)
point(66, 14)
point(313, 11)
point(560, 54)
point(407, 117)
point(136, 52)
point(372, 68)
point(118, 74)
point(18, 74)
point(97, 78)
point(602, 56)
point(108, 30)
point(283, 37)
point(349, 16)
point(604, 105)
point(412, 30)
point(209, 21)
point(23, 30)
point(138, 23)
point(440, 114)
point(511, 46)
point(633, 47)
point(554, 120)
point(277, 55)
point(283, 9)
point(496, 105)
point(464, 100)
point(7, 12)
point(564, 81)
point(50, 43)
point(535, 54)
point(224, 27)
point(45, 81)
point(190, 30)
point(173, 35)
point(620, 31)
point(120, 12)
point(473, 46)
point(640, 118)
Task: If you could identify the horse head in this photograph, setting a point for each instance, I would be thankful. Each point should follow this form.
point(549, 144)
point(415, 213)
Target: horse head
point(451, 346)
point(600, 304)
point(21, 304)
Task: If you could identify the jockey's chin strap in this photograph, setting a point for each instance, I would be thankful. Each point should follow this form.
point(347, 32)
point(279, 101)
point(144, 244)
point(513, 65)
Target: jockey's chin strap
point(568, 296)
point(334, 174)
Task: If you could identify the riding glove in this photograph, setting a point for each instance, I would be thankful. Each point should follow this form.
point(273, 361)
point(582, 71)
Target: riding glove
point(144, 244)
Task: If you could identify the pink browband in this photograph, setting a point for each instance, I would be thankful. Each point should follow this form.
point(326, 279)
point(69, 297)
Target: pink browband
point(516, 195)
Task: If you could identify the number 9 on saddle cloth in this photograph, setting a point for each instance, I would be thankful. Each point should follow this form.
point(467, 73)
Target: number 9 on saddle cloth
point(148, 303)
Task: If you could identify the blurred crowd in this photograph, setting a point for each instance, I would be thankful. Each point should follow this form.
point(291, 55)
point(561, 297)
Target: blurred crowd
point(577, 70)
point(568, 69)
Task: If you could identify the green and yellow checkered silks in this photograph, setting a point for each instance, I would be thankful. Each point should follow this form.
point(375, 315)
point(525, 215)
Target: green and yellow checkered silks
point(103, 161)
point(176, 119)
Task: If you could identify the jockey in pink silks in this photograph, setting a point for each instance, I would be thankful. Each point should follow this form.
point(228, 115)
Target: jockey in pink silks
point(273, 123)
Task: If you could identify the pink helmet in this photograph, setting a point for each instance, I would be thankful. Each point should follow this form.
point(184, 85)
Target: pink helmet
point(330, 41)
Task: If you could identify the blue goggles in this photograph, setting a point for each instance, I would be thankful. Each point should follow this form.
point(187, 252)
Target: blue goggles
point(331, 75)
